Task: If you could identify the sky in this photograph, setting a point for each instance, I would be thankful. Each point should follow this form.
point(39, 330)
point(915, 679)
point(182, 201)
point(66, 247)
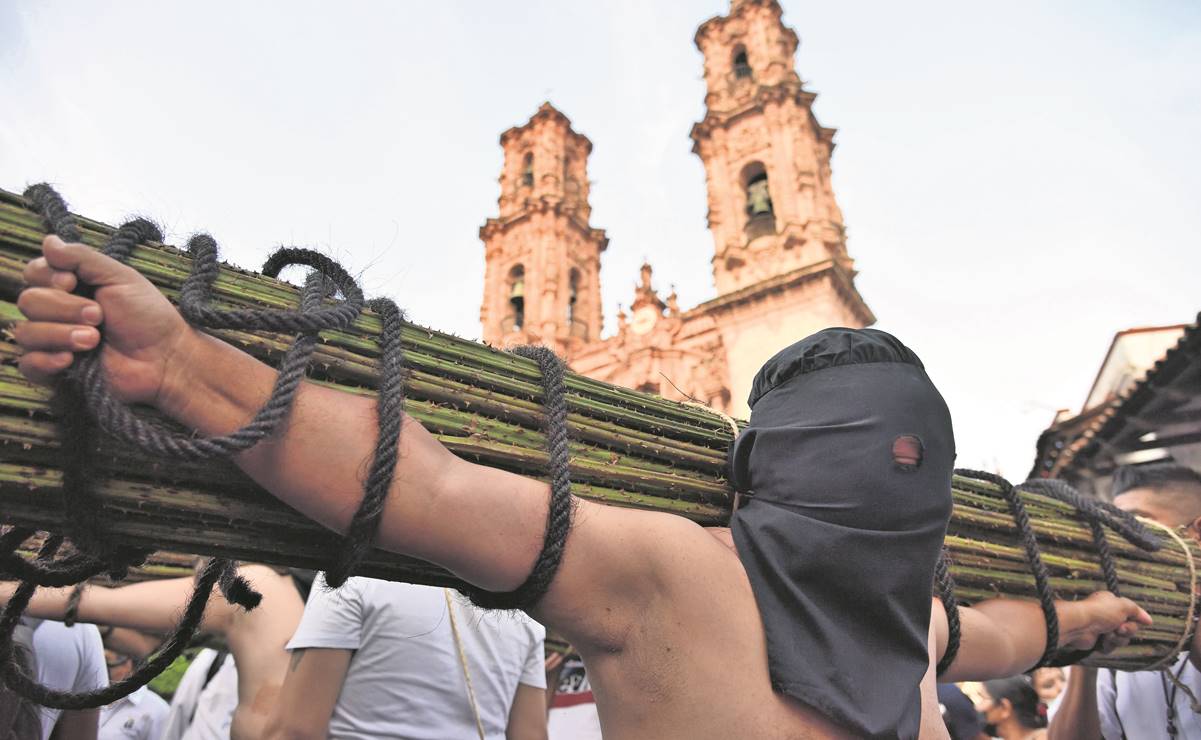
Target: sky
point(1019, 180)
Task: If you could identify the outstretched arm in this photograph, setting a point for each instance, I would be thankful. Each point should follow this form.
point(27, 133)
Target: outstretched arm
point(483, 524)
point(1004, 637)
point(152, 606)
point(129, 642)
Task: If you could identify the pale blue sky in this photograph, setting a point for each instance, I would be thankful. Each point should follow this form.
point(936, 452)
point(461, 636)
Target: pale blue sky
point(1019, 180)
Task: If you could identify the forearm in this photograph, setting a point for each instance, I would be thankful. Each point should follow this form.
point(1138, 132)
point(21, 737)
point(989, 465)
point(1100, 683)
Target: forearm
point(1078, 714)
point(130, 642)
point(306, 701)
point(46, 603)
point(527, 715)
point(483, 524)
point(1004, 637)
point(152, 606)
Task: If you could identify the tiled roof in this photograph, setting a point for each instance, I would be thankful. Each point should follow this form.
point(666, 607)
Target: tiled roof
point(1073, 442)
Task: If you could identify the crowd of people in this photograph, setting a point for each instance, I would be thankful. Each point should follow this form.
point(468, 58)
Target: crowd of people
point(678, 631)
point(376, 659)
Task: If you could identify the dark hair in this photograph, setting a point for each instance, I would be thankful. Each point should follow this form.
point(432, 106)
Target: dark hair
point(1028, 708)
point(1154, 475)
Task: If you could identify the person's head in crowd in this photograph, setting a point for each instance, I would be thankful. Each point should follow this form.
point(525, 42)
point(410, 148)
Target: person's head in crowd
point(119, 665)
point(1011, 709)
point(1049, 683)
point(1168, 493)
point(959, 713)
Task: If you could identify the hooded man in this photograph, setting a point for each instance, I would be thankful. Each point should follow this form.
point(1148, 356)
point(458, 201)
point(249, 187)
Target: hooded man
point(682, 635)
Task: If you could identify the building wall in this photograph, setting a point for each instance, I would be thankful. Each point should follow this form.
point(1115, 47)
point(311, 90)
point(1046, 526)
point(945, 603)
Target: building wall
point(778, 279)
point(754, 330)
point(543, 228)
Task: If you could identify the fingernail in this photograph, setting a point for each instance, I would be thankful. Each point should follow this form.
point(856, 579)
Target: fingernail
point(83, 338)
point(63, 280)
point(91, 314)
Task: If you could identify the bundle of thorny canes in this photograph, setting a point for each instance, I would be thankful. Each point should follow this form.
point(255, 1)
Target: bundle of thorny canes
point(122, 483)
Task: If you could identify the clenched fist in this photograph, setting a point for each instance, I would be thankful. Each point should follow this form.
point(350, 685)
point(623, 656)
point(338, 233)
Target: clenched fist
point(144, 335)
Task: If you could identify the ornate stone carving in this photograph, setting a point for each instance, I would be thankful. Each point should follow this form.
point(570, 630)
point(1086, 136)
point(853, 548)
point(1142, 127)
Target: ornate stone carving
point(790, 281)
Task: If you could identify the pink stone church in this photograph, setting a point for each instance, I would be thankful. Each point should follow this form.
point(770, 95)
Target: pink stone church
point(780, 262)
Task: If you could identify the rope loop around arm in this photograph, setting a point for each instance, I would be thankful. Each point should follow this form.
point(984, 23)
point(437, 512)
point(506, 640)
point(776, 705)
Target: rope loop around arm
point(559, 512)
point(84, 404)
point(1098, 514)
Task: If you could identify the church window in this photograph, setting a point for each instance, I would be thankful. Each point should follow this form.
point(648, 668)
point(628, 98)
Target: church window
point(573, 294)
point(742, 68)
point(516, 298)
point(527, 170)
point(760, 216)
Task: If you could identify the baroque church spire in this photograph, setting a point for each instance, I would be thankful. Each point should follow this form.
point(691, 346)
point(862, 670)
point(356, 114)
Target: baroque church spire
point(542, 274)
point(767, 159)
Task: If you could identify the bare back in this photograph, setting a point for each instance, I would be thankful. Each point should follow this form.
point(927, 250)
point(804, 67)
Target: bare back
point(256, 640)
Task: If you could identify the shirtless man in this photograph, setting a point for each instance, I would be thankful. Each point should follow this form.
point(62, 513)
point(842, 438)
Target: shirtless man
point(664, 613)
point(256, 638)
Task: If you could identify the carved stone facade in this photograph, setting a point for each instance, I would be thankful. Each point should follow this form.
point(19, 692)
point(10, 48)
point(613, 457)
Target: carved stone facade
point(780, 262)
point(542, 274)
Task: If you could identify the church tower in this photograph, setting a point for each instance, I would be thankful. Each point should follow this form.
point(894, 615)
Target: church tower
point(542, 275)
point(767, 159)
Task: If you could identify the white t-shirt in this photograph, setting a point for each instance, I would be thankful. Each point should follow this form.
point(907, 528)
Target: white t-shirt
point(202, 711)
point(1135, 705)
point(405, 679)
point(140, 715)
point(573, 714)
point(68, 659)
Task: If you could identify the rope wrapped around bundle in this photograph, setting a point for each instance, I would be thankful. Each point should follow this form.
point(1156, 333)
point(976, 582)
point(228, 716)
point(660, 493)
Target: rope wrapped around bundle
point(617, 446)
point(84, 408)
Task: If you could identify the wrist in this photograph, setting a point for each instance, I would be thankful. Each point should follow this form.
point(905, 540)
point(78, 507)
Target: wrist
point(1072, 619)
point(179, 378)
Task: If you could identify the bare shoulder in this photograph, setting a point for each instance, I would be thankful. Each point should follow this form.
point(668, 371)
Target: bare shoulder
point(281, 606)
point(264, 576)
point(621, 564)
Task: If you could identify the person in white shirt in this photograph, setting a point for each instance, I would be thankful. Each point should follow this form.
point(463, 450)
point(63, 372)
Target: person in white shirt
point(378, 659)
point(140, 715)
point(255, 637)
point(69, 659)
point(203, 705)
point(1144, 705)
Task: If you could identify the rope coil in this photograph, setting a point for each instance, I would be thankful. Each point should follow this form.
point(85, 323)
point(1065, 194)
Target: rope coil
point(84, 405)
point(1098, 514)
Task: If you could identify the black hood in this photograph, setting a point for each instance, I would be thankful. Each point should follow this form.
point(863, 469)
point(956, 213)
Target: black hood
point(846, 466)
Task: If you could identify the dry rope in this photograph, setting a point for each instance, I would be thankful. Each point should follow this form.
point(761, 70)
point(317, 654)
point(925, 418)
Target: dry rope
point(559, 512)
point(1099, 515)
point(84, 404)
point(950, 604)
point(1190, 622)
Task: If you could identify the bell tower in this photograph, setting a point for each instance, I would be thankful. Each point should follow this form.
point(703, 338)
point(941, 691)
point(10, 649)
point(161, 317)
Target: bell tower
point(542, 273)
point(767, 159)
